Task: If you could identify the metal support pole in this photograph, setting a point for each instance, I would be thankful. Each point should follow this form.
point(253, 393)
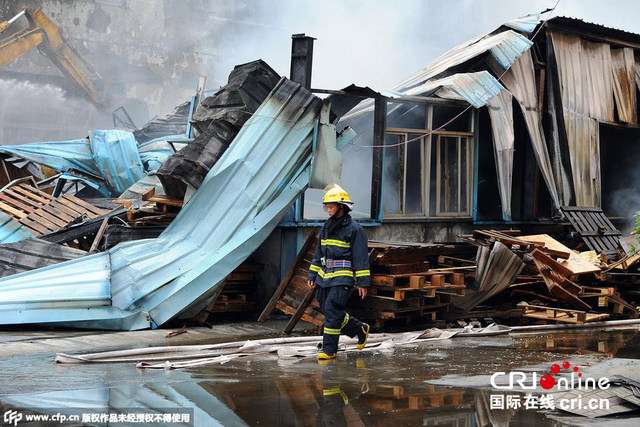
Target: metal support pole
point(379, 133)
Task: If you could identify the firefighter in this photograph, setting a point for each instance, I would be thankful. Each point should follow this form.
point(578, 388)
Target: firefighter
point(339, 266)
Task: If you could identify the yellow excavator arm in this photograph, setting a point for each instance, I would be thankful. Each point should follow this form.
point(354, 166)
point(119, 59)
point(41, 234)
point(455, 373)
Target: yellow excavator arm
point(48, 38)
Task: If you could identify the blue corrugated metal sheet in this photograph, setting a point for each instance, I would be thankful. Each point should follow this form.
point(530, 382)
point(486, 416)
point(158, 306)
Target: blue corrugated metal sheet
point(153, 153)
point(526, 24)
point(58, 155)
point(475, 88)
point(241, 201)
point(111, 154)
point(11, 230)
point(116, 155)
point(506, 47)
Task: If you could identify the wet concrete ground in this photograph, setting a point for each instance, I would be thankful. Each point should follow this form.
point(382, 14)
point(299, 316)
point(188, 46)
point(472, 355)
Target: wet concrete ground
point(391, 387)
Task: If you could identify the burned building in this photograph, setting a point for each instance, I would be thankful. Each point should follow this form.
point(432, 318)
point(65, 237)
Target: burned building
point(509, 130)
point(504, 130)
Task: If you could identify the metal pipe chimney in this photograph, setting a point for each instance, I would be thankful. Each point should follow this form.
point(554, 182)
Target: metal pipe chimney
point(301, 59)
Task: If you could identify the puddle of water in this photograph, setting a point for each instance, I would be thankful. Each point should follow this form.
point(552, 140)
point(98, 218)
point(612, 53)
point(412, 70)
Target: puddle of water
point(382, 388)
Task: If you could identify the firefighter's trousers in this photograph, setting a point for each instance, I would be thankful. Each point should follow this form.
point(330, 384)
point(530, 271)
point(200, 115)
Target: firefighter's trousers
point(332, 302)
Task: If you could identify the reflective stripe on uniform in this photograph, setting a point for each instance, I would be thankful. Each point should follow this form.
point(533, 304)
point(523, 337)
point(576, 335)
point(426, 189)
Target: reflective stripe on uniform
point(330, 391)
point(334, 391)
point(345, 321)
point(337, 273)
point(362, 273)
point(333, 242)
point(331, 331)
point(315, 268)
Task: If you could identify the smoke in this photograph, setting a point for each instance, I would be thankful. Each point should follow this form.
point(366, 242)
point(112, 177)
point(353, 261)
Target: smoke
point(625, 203)
point(43, 112)
point(154, 51)
point(621, 180)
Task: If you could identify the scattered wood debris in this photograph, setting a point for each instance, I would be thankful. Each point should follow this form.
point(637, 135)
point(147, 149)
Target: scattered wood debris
point(513, 277)
point(404, 289)
point(178, 332)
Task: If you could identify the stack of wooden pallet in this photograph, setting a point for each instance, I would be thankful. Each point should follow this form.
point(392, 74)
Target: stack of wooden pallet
point(237, 295)
point(403, 288)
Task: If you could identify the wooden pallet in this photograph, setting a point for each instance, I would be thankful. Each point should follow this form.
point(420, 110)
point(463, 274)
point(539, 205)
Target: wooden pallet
point(165, 203)
point(42, 213)
point(598, 233)
point(401, 268)
point(391, 319)
point(293, 293)
point(400, 294)
point(561, 315)
point(455, 262)
point(418, 280)
point(555, 275)
point(236, 294)
point(619, 305)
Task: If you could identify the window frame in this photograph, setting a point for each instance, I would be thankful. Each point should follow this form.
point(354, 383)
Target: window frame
point(426, 172)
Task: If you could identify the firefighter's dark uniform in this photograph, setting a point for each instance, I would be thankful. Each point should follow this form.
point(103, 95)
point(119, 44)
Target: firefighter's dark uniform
point(340, 263)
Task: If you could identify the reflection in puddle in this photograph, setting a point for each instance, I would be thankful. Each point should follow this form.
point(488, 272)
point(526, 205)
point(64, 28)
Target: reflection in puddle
point(365, 389)
point(614, 343)
point(350, 392)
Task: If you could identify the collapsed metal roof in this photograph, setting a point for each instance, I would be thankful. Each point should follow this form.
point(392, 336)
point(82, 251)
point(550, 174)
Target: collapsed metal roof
point(506, 55)
point(592, 74)
point(31, 254)
point(110, 154)
point(506, 47)
point(139, 284)
point(475, 88)
point(175, 123)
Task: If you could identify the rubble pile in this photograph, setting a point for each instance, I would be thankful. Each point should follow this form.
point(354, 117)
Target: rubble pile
point(518, 279)
point(548, 281)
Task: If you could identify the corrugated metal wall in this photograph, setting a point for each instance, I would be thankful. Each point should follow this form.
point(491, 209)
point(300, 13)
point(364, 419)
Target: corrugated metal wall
point(592, 78)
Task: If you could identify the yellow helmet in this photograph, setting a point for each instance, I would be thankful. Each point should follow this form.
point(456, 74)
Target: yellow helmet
point(336, 194)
